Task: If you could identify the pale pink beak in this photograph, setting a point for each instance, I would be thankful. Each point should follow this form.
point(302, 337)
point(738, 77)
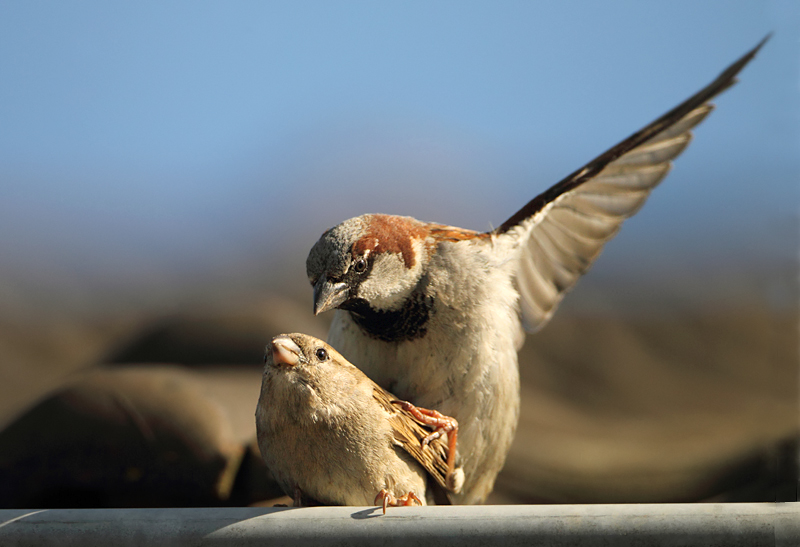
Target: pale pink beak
point(285, 352)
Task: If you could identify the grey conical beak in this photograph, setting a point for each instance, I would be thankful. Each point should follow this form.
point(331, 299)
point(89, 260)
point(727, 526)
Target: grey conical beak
point(328, 295)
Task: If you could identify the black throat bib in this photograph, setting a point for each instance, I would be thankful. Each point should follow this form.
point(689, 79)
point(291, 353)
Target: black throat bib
point(407, 323)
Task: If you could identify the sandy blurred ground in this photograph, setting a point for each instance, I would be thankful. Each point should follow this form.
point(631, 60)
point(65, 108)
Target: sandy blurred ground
point(678, 402)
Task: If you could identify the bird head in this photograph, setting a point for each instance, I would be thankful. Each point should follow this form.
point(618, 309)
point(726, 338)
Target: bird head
point(298, 365)
point(372, 259)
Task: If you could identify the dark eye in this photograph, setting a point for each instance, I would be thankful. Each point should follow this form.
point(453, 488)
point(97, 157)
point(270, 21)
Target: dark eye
point(321, 354)
point(360, 266)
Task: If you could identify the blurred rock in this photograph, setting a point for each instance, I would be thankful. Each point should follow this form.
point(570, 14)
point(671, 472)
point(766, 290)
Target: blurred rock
point(770, 476)
point(38, 354)
point(255, 484)
point(679, 406)
point(123, 437)
point(218, 336)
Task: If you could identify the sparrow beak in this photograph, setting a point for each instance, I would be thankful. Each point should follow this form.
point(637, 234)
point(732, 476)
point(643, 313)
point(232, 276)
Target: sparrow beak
point(285, 352)
point(328, 296)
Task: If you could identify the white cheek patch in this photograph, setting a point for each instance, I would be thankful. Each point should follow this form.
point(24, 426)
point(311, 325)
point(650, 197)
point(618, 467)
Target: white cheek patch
point(390, 283)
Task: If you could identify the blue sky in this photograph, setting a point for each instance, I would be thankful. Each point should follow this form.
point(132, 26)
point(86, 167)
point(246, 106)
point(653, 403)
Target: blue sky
point(160, 136)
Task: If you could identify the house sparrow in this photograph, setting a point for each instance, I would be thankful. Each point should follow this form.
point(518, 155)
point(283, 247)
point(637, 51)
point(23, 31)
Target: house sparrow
point(331, 436)
point(435, 313)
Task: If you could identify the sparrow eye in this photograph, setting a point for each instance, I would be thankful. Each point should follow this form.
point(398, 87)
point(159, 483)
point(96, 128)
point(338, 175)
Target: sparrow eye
point(360, 266)
point(321, 354)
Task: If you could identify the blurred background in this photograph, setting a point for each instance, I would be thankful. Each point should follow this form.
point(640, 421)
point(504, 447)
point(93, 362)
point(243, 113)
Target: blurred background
point(166, 166)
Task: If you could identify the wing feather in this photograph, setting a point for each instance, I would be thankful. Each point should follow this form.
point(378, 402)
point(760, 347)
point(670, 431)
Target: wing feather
point(564, 229)
point(627, 177)
point(408, 434)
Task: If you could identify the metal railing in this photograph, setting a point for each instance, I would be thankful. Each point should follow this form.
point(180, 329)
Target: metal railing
point(745, 524)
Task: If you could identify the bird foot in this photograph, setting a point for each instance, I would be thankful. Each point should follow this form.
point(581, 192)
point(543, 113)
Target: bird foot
point(386, 499)
point(441, 424)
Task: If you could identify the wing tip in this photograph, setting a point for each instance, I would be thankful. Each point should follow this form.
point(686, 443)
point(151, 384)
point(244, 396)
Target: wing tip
point(763, 41)
point(724, 81)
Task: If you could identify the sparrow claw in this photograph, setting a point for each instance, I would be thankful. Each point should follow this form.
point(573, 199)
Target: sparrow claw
point(442, 424)
point(432, 437)
point(386, 499)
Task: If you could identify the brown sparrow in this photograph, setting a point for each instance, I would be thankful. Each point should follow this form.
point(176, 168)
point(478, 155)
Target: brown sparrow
point(435, 313)
point(331, 436)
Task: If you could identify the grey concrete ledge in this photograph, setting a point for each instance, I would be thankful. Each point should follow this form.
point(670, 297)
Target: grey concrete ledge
point(746, 524)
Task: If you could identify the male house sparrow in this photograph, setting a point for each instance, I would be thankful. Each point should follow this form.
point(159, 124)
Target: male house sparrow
point(435, 313)
point(330, 435)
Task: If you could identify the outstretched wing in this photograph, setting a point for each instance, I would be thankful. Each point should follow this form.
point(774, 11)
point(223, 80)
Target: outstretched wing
point(564, 228)
point(408, 433)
